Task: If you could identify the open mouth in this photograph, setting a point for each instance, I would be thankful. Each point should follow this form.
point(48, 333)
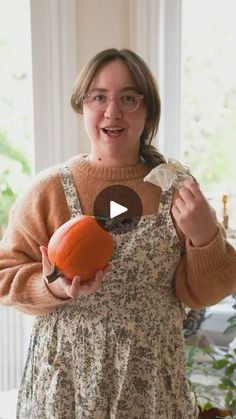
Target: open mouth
point(113, 132)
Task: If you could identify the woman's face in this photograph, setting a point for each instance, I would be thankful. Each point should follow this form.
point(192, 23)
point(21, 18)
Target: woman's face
point(114, 133)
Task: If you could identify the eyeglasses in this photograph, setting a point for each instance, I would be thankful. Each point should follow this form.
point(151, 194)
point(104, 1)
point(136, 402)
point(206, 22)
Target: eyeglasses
point(127, 101)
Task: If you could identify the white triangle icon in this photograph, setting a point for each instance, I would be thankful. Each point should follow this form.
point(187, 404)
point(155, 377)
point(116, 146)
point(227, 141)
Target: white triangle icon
point(116, 209)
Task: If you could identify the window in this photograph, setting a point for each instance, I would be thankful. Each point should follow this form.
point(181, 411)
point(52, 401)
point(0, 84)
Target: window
point(16, 159)
point(16, 126)
point(49, 27)
point(208, 116)
point(196, 41)
point(208, 87)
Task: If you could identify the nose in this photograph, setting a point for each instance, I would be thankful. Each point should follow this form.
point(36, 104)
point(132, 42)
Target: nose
point(112, 111)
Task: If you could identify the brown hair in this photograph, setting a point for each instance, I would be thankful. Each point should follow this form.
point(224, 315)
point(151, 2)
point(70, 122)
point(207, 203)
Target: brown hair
point(147, 87)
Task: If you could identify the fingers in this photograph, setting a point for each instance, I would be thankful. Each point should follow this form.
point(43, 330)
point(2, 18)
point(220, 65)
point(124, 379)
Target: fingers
point(106, 269)
point(193, 215)
point(190, 190)
point(44, 252)
point(90, 286)
point(47, 267)
point(72, 288)
point(64, 287)
point(188, 198)
point(175, 212)
point(186, 195)
point(85, 287)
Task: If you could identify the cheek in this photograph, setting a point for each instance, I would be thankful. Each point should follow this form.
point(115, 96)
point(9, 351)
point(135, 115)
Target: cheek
point(138, 123)
point(140, 126)
point(91, 121)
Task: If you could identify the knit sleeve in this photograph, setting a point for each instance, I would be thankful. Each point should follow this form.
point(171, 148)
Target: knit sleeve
point(33, 220)
point(206, 275)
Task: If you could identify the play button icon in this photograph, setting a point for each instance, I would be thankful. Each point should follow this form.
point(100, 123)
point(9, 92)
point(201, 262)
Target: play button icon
point(118, 208)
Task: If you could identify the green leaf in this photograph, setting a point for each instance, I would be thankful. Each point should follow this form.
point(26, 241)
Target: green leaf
point(8, 150)
point(230, 329)
point(234, 407)
point(232, 319)
point(220, 363)
point(230, 369)
point(226, 383)
point(207, 406)
point(228, 399)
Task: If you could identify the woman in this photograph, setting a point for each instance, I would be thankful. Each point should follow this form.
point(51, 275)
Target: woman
point(113, 347)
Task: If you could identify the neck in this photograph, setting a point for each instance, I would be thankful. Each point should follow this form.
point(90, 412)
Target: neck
point(114, 161)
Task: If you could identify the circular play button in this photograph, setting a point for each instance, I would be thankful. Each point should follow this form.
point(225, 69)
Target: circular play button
point(118, 208)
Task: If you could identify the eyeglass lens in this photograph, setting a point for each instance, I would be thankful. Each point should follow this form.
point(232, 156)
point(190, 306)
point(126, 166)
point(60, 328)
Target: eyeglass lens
point(127, 101)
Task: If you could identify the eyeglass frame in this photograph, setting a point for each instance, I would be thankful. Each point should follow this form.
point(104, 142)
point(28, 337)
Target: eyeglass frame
point(88, 94)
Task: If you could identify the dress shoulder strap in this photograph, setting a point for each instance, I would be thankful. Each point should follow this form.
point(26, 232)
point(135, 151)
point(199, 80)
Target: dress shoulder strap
point(70, 191)
point(166, 201)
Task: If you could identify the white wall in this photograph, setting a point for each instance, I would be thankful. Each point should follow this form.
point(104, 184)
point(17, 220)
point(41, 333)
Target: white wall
point(100, 24)
point(54, 67)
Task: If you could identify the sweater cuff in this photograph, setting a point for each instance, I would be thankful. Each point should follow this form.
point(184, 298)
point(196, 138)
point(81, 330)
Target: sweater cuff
point(42, 300)
point(207, 258)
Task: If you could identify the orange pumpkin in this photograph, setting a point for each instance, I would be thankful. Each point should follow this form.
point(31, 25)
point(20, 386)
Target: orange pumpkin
point(81, 246)
point(214, 413)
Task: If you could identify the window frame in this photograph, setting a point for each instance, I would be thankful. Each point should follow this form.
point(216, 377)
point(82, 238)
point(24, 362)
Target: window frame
point(170, 21)
point(170, 140)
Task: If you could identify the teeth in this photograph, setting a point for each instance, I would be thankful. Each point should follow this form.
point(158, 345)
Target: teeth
point(113, 129)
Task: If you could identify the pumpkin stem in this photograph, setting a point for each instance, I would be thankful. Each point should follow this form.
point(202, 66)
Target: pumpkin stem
point(53, 275)
point(102, 222)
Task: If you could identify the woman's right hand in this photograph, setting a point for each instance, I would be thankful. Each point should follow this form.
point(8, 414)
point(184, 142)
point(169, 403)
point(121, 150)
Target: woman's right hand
point(67, 288)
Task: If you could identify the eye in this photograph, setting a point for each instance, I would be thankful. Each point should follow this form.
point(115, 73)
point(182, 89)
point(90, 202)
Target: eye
point(98, 98)
point(128, 98)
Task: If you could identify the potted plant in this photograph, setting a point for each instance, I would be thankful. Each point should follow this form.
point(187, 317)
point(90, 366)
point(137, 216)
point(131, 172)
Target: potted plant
point(210, 399)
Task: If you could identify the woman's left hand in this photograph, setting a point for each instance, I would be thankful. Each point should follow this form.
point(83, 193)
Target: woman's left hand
point(194, 216)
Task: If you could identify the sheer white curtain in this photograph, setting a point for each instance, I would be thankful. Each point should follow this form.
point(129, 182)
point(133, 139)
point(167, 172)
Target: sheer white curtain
point(54, 61)
point(53, 37)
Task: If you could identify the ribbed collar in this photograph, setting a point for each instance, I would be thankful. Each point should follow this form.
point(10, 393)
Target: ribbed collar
point(94, 170)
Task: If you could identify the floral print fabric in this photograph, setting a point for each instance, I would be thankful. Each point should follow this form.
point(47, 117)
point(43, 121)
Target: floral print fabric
point(118, 353)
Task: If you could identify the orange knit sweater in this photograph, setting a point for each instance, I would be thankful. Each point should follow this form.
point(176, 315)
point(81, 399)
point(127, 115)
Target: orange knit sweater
point(203, 277)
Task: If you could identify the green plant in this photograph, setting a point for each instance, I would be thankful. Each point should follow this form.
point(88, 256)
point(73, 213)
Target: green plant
point(9, 155)
point(9, 151)
point(7, 198)
point(227, 364)
point(232, 320)
point(205, 394)
point(223, 366)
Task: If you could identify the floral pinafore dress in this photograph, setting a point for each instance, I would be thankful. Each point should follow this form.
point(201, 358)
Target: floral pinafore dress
point(118, 353)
